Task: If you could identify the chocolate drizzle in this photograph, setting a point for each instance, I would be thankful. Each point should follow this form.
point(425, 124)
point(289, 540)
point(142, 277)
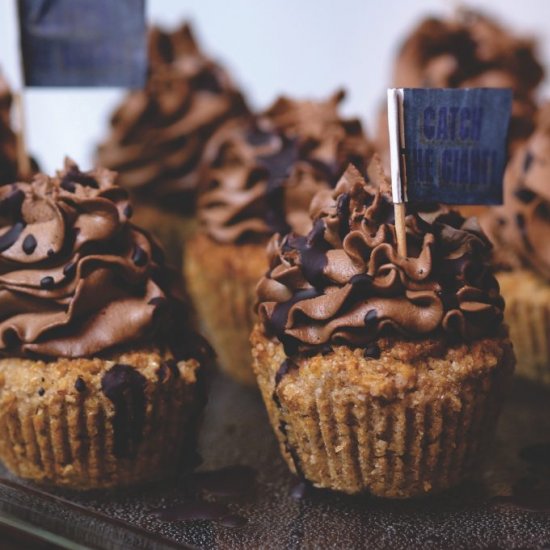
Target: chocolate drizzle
point(80, 385)
point(278, 166)
point(351, 287)
point(9, 238)
point(168, 368)
point(125, 387)
point(286, 366)
point(201, 510)
point(231, 481)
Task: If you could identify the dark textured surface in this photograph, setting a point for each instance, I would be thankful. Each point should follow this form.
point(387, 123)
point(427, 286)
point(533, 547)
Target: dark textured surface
point(481, 514)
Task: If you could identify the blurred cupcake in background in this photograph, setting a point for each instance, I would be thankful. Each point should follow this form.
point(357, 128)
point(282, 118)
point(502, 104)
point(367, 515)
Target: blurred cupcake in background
point(9, 171)
point(380, 373)
point(158, 134)
point(520, 233)
point(258, 180)
point(466, 51)
point(100, 367)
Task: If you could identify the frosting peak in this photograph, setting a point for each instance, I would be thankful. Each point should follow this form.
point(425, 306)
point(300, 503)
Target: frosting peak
point(76, 277)
point(344, 282)
point(158, 133)
point(259, 176)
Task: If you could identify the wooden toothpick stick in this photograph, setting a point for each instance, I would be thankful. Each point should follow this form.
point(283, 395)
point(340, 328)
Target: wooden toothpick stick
point(396, 129)
point(23, 161)
point(400, 229)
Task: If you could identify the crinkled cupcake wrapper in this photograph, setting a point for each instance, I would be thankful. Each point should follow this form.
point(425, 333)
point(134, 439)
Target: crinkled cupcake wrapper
point(222, 286)
point(71, 443)
point(355, 443)
point(527, 314)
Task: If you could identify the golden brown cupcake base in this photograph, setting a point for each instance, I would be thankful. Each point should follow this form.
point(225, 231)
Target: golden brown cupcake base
point(527, 313)
point(85, 424)
point(412, 422)
point(171, 229)
point(221, 280)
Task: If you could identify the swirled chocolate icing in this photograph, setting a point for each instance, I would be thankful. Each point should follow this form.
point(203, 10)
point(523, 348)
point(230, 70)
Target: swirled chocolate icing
point(467, 51)
point(76, 277)
point(259, 178)
point(344, 283)
point(158, 134)
point(519, 229)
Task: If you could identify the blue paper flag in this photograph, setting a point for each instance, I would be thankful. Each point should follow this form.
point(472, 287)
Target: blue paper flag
point(455, 144)
point(83, 42)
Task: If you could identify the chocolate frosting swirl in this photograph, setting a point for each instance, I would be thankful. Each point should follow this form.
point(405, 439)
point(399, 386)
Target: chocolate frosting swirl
point(467, 51)
point(259, 177)
point(76, 277)
point(158, 134)
point(344, 282)
point(519, 229)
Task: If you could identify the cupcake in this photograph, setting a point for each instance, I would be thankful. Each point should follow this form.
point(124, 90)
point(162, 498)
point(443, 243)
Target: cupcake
point(99, 368)
point(519, 231)
point(9, 171)
point(259, 179)
point(158, 133)
point(467, 51)
point(380, 373)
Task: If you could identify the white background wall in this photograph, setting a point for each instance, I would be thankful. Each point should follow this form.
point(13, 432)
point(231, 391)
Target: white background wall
point(300, 47)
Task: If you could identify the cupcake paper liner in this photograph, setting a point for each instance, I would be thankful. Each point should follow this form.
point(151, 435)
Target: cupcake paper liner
point(527, 314)
point(55, 431)
point(221, 280)
point(343, 438)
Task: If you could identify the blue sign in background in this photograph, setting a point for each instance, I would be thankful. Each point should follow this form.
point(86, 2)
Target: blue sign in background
point(83, 42)
point(455, 144)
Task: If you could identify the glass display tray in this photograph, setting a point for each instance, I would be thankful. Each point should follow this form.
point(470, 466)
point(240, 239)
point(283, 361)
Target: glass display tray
point(507, 506)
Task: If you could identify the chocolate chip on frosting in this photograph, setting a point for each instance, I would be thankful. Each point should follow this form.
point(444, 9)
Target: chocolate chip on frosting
point(362, 289)
point(139, 256)
point(29, 244)
point(47, 282)
point(69, 270)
